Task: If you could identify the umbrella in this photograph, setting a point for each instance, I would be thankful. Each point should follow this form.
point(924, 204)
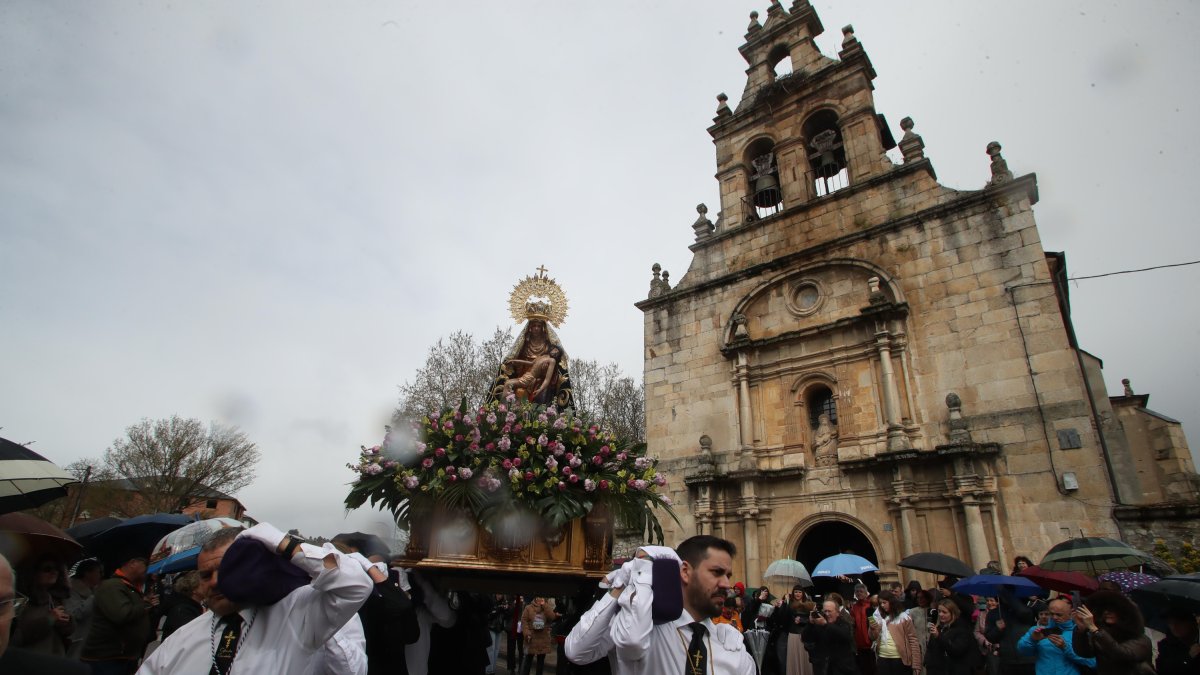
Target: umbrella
point(787, 569)
point(178, 550)
point(756, 644)
point(1063, 582)
point(28, 480)
point(135, 537)
point(938, 563)
point(24, 537)
point(366, 544)
point(843, 565)
point(1092, 554)
point(989, 585)
point(1128, 580)
point(1176, 592)
point(85, 532)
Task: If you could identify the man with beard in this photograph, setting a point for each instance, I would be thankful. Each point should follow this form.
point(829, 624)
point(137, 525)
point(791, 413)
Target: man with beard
point(622, 622)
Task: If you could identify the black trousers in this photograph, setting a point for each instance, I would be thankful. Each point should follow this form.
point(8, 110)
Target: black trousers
point(541, 663)
point(865, 658)
point(892, 667)
point(515, 652)
point(1018, 669)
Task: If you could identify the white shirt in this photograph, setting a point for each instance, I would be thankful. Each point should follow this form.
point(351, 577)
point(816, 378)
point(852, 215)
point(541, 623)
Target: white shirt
point(624, 629)
point(343, 654)
point(433, 609)
point(283, 636)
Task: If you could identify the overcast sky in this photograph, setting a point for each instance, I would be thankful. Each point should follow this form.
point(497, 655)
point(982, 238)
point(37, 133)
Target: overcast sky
point(263, 213)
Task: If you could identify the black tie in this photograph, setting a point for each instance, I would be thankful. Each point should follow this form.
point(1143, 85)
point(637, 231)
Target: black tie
point(697, 653)
point(227, 645)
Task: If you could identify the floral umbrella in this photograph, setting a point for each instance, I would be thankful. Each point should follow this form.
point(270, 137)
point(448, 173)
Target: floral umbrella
point(1128, 580)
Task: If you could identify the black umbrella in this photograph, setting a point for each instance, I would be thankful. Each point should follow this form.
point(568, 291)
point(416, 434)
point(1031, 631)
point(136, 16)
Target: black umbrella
point(85, 532)
point(366, 544)
point(28, 480)
point(938, 563)
point(135, 537)
point(1177, 592)
point(1092, 555)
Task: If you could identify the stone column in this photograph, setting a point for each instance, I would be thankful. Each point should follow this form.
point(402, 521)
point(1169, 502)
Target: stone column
point(748, 510)
point(976, 539)
point(745, 415)
point(891, 396)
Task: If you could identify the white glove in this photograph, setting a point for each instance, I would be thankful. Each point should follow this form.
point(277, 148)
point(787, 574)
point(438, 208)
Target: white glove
point(367, 564)
point(660, 552)
point(405, 584)
point(266, 534)
point(618, 578)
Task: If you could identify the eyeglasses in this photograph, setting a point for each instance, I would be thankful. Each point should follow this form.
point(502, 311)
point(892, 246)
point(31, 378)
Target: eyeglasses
point(18, 602)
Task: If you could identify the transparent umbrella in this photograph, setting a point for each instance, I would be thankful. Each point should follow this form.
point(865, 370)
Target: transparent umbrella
point(788, 570)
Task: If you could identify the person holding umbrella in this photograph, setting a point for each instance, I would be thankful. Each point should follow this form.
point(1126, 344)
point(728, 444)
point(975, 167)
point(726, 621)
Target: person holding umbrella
point(1118, 640)
point(1004, 627)
point(786, 653)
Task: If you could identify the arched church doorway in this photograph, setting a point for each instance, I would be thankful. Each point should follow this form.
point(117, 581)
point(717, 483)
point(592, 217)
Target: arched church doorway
point(830, 538)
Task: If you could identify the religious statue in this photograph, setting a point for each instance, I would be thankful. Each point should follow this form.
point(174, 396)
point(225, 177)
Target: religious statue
point(536, 367)
point(824, 444)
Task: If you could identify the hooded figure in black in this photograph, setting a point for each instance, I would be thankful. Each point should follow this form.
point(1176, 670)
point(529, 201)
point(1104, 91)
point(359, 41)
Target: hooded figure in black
point(1110, 628)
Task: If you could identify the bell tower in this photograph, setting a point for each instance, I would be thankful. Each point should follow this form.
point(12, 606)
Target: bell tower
point(806, 124)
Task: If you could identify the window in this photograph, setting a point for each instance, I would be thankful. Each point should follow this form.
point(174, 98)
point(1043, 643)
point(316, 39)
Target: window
point(210, 504)
point(820, 401)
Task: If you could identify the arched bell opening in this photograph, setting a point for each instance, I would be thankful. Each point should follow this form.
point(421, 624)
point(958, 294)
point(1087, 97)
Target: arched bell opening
point(766, 197)
point(780, 61)
point(826, 152)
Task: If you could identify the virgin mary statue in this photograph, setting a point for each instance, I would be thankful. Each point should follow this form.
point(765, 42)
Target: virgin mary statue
point(536, 367)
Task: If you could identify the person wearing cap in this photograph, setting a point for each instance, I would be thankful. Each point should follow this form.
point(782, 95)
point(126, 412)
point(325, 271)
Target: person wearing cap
point(676, 635)
point(265, 617)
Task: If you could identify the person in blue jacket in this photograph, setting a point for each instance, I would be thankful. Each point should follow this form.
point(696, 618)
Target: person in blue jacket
point(1051, 643)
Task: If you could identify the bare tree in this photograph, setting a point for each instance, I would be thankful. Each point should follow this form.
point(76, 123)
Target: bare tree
point(610, 397)
point(172, 462)
point(456, 367)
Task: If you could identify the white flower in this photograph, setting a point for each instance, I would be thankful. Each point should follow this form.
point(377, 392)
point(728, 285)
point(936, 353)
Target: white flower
point(589, 485)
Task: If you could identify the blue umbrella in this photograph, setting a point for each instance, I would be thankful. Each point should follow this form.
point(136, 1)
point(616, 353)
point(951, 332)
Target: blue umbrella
point(843, 565)
point(176, 562)
point(989, 585)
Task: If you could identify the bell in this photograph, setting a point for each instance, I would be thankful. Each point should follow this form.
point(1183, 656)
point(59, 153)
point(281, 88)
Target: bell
point(766, 191)
point(827, 165)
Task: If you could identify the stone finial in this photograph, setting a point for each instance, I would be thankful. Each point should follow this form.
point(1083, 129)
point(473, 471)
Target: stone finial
point(754, 26)
point(911, 144)
point(666, 281)
point(1128, 387)
point(706, 454)
point(1000, 172)
point(703, 227)
point(723, 105)
point(740, 332)
point(775, 10)
point(656, 284)
point(848, 39)
point(958, 426)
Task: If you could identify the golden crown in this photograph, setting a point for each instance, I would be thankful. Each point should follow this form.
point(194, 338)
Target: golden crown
point(538, 297)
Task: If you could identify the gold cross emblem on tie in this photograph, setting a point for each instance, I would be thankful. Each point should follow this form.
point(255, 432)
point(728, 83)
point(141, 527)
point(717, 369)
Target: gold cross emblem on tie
point(697, 657)
point(229, 638)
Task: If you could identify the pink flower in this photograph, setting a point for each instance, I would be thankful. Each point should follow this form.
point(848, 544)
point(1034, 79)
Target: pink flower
point(642, 462)
point(603, 485)
point(491, 418)
point(453, 478)
point(589, 485)
point(597, 460)
point(543, 419)
point(411, 482)
point(566, 471)
point(448, 426)
point(660, 480)
point(559, 448)
point(574, 478)
point(427, 462)
point(517, 429)
point(551, 463)
point(510, 418)
point(552, 410)
point(562, 486)
point(421, 447)
point(466, 473)
point(440, 452)
point(542, 440)
point(510, 398)
point(575, 462)
point(528, 475)
point(560, 423)
point(451, 470)
point(502, 408)
point(621, 456)
point(529, 440)
point(516, 461)
point(507, 429)
point(489, 447)
point(665, 499)
point(458, 437)
point(504, 443)
point(507, 464)
point(605, 450)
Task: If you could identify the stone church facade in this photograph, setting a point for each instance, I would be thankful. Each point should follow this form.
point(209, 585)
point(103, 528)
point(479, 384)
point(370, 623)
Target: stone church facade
point(859, 358)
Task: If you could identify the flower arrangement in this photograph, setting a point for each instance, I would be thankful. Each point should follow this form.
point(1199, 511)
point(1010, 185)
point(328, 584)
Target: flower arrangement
point(510, 457)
